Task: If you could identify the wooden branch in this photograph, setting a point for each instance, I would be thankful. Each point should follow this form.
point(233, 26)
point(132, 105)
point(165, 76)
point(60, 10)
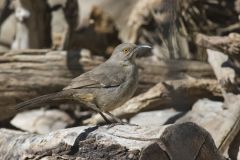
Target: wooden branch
point(162, 70)
point(229, 45)
point(223, 71)
point(179, 93)
point(118, 142)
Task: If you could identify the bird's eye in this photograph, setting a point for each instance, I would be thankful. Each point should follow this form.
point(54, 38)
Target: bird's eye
point(125, 50)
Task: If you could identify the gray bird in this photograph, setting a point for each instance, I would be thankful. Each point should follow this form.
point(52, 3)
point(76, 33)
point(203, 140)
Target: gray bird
point(104, 88)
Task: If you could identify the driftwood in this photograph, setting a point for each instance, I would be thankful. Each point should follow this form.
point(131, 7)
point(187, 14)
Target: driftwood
point(221, 123)
point(117, 142)
point(151, 71)
point(224, 72)
point(227, 44)
point(30, 73)
point(223, 56)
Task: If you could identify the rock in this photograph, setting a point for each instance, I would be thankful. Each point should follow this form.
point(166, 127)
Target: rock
point(41, 121)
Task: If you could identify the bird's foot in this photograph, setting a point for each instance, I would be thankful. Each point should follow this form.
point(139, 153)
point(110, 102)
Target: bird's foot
point(120, 123)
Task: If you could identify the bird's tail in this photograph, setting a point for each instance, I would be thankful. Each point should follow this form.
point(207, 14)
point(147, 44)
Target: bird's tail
point(43, 100)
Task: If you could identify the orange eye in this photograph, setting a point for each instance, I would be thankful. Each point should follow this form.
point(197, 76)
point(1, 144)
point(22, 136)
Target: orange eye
point(126, 50)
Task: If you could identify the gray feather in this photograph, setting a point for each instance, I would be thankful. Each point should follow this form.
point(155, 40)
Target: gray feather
point(100, 77)
point(43, 99)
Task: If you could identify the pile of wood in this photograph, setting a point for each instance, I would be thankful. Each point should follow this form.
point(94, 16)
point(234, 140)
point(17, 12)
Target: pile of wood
point(187, 105)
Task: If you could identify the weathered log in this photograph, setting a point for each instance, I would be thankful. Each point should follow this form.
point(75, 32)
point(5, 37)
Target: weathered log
point(226, 75)
point(229, 45)
point(223, 56)
point(180, 94)
point(152, 71)
point(224, 71)
point(30, 73)
point(224, 118)
point(117, 142)
point(223, 124)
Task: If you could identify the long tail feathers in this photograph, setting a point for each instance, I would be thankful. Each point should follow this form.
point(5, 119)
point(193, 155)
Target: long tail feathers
point(41, 100)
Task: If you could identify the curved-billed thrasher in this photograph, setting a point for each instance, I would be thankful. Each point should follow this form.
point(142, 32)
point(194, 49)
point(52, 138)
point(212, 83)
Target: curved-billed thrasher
point(104, 88)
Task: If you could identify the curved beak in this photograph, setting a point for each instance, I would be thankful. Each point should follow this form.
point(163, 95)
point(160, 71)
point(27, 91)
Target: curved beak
point(142, 49)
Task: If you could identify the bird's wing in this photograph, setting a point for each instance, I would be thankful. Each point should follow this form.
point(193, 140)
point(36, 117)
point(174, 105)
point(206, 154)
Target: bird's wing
point(100, 77)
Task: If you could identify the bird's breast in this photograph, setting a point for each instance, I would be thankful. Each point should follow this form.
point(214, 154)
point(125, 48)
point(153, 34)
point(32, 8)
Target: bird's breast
point(119, 95)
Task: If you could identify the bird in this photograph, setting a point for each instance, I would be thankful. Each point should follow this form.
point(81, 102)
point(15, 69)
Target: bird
point(104, 88)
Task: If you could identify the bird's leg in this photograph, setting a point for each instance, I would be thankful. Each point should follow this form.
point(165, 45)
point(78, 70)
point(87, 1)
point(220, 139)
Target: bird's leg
point(116, 119)
point(105, 118)
point(97, 109)
point(100, 111)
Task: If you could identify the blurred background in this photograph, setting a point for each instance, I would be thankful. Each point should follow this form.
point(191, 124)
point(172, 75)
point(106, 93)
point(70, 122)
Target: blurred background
point(99, 25)
point(46, 43)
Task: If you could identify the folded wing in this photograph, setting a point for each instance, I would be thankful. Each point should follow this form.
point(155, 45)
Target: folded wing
point(100, 77)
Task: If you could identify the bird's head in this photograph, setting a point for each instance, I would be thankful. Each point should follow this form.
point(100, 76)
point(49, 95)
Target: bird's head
point(128, 51)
